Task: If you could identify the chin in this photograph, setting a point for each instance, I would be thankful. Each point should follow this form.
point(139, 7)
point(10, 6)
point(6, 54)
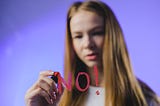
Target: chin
point(91, 64)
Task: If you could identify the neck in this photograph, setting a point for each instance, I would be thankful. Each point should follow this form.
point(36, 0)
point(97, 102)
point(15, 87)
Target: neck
point(93, 77)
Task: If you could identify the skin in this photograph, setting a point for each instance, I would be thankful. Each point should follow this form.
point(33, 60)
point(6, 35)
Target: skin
point(87, 30)
point(43, 92)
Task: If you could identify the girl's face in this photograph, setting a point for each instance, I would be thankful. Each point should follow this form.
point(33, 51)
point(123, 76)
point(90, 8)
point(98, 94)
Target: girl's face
point(87, 31)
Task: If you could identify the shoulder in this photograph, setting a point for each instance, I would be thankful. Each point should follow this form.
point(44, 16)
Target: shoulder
point(150, 96)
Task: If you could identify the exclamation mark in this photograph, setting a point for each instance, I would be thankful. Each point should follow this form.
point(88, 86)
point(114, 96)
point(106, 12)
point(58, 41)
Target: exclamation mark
point(96, 78)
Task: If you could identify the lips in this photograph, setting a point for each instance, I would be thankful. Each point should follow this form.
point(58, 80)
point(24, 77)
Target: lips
point(92, 56)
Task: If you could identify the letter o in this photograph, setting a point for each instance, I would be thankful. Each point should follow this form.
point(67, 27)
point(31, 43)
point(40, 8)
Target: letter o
point(77, 83)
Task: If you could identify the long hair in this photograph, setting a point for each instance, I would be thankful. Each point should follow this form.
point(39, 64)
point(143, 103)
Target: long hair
point(121, 86)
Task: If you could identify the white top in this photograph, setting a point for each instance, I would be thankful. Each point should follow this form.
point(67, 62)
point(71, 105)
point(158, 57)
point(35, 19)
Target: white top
point(94, 99)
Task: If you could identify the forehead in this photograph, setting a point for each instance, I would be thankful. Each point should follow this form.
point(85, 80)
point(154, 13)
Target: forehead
point(85, 20)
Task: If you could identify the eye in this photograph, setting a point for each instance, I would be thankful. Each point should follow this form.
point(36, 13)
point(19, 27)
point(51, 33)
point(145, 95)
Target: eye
point(77, 36)
point(98, 33)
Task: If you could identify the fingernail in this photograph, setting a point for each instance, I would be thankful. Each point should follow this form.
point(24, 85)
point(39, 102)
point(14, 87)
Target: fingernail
point(54, 95)
point(57, 90)
point(51, 72)
point(51, 101)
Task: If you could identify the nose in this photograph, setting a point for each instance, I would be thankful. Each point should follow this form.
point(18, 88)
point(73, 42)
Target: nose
point(88, 42)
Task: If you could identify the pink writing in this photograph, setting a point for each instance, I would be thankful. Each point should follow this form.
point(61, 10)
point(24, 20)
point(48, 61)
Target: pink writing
point(68, 85)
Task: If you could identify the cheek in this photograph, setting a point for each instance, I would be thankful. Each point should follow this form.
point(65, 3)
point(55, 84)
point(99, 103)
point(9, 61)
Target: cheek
point(76, 47)
point(100, 42)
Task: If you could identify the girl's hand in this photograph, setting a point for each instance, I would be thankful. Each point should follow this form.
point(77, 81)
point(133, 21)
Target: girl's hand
point(43, 92)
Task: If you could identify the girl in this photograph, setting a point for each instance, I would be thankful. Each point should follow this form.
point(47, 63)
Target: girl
point(93, 38)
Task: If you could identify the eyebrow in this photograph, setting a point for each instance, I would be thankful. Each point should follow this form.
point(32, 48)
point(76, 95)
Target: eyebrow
point(92, 29)
point(98, 27)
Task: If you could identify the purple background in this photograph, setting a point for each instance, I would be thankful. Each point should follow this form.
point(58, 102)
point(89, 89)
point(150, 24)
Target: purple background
point(32, 39)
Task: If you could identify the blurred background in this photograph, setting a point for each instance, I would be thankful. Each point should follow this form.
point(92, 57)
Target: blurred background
point(32, 39)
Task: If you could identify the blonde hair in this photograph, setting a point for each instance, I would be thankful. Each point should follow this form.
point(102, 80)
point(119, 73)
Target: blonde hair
point(121, 85)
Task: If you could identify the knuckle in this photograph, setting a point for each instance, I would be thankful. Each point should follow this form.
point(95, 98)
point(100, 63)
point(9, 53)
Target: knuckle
point(42, 72)
point(40, 81)
point(51, 82)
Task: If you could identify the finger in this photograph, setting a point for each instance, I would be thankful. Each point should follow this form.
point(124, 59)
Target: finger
point(53, 89)
point(44, 76)
point(38, 93)
point(49, 86)
point(48, 80)
point(46, 73)
point(46, 96)
point(41, 75)
point(45, 86)
point(51, 83)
